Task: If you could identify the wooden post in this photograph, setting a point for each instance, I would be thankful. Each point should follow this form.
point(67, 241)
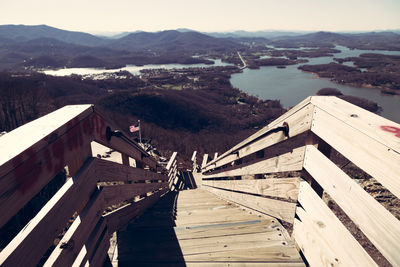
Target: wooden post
point(205, 159)
point(78, 161)
point(125, 159)
point(325, 148)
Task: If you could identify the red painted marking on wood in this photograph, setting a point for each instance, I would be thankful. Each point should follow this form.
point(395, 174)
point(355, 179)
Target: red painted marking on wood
point(58, 151)
point(47, 158)
point(392, 129)
point(28, 173)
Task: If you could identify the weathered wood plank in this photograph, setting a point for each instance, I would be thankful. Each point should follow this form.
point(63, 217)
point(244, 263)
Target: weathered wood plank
point(375, 158)
point(291, 161)
point(99, 256)
point(115, 194)
point(210, 244)
point(243, 264)
point(204, 162)
point(299, 120)
point(20, 144)
point(204, 231)
point(326, 226)
point(120, 217)
point(171, 160)
point(284, 187)
point(108, 171)
point(272, 252)
point(24, 250)
point(89, 248)
point(377, 223)
point(78, 233)
point(279, 209)
point(376, 127)
point(194, 156)
point(28, 177)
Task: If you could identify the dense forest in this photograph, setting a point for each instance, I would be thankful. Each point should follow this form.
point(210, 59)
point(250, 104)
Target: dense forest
point(212, 118)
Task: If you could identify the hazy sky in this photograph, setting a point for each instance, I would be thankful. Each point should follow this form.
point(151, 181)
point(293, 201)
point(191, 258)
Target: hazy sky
point(204, 15)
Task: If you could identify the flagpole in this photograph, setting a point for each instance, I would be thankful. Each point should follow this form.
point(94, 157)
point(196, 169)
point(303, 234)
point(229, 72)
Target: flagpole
point(140, 133)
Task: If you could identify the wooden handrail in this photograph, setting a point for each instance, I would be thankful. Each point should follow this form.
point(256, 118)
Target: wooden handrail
point(36, 152)
point(365, 139)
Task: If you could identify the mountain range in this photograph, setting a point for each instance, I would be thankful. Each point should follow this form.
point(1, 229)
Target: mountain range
point(43, 46)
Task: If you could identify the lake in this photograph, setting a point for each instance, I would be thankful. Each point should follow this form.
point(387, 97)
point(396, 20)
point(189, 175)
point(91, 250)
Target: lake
point(135, 70)
point(291, 85)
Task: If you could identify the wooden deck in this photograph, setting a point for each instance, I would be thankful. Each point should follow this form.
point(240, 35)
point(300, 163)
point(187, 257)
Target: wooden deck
point(194, 228)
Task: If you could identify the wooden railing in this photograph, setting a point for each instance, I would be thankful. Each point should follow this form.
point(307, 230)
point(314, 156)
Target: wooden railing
point(298, 146)
point(100, 198)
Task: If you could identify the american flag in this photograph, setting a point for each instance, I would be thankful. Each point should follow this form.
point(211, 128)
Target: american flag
point(134, 128)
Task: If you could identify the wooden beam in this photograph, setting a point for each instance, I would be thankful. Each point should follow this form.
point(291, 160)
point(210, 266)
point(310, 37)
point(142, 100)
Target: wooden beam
point(276, 208)
point(377, 223)
point(125, 159)
point(115, 194)
point(78, 161)
point(364, 121)
point(24, 249)
point(89, 248)
point(291, 161)
point(107, 171)
point(204, 162)
point(325, 240)
point(98, 257)
point(25, 141)
point(298, 119)
point(287, 188)
point(121, 217)
point(372, 156)
point(28, 177)
point(171, 160)
point(78, 233)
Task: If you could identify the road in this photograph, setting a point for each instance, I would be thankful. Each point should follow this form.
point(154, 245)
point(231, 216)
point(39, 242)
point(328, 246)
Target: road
point(244, 62)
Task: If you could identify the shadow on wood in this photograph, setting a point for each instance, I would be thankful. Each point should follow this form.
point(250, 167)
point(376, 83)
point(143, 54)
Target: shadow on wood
point(151, 240)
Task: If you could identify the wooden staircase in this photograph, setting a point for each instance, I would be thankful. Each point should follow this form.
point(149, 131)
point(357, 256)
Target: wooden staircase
point(286, 174)
point(195, 228)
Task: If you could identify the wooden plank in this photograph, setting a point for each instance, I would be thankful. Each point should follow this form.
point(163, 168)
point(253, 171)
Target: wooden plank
point(108, 171)
point(298, 123)
point(209, 244)
point(122, 144)
point(316, 252)
point(204, 162)
point(291, 161)
point(28, 177)
point(205, 231)
point(279, 209)
point(89, 248)
point(99, 256)
point(121, 217)
point(79, 160)
point(375, 158)
point(78, 233)
point(287, 188)
point(194, 156)
point(242, 264)
point(324, 225)
point(20, 144)
point(115, 194)
point(272, 253)
point(24, 249)
point(377, 223)
point(366, 122)
point(171, 160)
point(125, 159)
